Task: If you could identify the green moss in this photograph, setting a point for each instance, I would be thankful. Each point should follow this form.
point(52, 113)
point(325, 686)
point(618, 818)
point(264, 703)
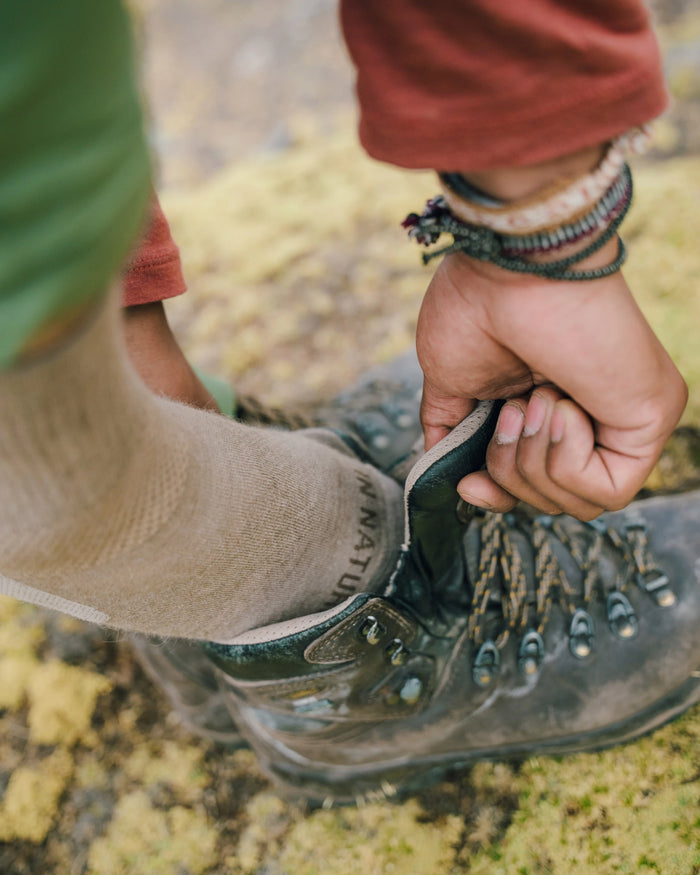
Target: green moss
point(178, 766)
point(623, 810)
point(15, 675)
point(20, 637)
point(62, 699)
point(148, 841)
point(20, 628)
point(31, 802)
point(664, 264)
point(268, 818)
point(371, 840)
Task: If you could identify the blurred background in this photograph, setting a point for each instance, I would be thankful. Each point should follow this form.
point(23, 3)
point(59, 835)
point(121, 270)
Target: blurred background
point(300, 278)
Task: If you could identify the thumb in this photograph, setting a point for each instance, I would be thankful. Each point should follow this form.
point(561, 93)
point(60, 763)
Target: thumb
point(440, 413)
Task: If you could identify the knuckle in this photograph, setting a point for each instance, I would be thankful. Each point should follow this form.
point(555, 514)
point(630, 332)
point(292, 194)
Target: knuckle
point(544, 505)
point(588, 514)
point(549, 392)
point(618, 502)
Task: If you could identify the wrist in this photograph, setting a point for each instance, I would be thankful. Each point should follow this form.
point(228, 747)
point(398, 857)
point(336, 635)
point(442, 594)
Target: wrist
point(508, 184)
point(502, 276)
point(558, 219)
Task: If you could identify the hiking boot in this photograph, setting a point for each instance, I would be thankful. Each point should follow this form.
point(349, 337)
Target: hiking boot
point(498, 636)
point(188, 679)
point(379, 419)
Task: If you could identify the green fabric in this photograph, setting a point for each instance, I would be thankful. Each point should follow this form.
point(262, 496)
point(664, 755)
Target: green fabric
point(221, 391)
point(74, 167)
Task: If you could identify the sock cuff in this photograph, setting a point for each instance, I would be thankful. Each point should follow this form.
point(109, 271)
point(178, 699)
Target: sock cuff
point(76, 427)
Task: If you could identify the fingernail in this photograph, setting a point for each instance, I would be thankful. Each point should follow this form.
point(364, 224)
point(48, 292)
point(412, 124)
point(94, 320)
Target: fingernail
point(510, 424)
point(556, 426)
point(534, 415)
point(476, 501)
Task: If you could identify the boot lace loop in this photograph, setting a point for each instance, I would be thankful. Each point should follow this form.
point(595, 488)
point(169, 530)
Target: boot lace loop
point(501, 584)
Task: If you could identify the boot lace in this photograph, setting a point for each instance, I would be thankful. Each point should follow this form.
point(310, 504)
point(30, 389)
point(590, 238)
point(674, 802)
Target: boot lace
point(501, 586)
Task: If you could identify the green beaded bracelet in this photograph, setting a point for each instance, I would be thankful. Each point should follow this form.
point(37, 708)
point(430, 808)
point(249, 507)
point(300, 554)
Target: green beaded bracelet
point(485, 244)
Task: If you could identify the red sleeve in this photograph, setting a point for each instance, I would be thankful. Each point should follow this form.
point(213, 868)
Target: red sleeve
point(154, 272)
point(481, 84)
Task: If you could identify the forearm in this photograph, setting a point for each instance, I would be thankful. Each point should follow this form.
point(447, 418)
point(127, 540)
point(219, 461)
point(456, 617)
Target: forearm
point(158, 359)
point(517, 182)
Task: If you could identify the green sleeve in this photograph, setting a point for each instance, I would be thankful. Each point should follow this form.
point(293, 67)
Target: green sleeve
point(74, 167)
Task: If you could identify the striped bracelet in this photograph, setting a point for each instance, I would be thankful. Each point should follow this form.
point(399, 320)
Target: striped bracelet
point(507, 250)
point(614, 202)
point(558, 203)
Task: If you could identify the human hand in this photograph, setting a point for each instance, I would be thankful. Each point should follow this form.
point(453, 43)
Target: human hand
point(593, 394)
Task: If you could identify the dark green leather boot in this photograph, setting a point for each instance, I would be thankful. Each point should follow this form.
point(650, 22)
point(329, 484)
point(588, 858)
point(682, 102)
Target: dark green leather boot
point(498, 636)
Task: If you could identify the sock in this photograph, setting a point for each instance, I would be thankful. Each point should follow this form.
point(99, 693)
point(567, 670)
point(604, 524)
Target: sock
point(146, 515)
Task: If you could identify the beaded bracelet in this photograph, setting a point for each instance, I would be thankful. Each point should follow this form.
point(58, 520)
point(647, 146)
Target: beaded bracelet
point(615, 201)
point(485, 244)
point(563, 201)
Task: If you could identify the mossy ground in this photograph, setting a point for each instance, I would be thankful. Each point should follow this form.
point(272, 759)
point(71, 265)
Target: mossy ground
point(301, 279)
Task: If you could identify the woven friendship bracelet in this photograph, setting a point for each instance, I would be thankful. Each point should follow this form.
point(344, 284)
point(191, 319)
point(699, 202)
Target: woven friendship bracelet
point(563, 202)
point(486, 244)
point(615, 200)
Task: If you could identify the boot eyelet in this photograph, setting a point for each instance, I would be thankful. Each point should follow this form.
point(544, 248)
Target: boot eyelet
point(372, 630)
point(380, 441)
point(531, 653)
point(621, 616)
point(658, 586)
point(408, 693)
point(396, 652)
point(486, 664)
point(581, 634)
point(411, 691)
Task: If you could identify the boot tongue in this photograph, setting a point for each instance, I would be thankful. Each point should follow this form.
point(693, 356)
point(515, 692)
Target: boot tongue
point(433, 529)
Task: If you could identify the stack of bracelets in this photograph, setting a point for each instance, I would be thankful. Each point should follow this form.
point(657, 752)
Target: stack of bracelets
point(508, 234)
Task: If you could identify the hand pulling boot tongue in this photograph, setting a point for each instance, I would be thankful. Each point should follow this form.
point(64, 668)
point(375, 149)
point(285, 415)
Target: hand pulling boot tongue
point(475, 648)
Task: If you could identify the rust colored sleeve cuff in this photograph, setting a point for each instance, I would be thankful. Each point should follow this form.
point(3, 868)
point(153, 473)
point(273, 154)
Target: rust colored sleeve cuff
point(154, 272)
point(481, 84)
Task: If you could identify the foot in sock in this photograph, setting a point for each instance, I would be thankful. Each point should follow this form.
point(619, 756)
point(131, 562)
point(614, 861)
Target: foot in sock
point(381, 413)
point(504, 636)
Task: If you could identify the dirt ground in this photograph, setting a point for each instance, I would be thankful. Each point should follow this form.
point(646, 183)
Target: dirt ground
point(299, 280)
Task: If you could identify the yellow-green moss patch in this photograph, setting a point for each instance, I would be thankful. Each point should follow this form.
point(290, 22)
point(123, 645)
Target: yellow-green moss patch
point(664, 265)
point(20, 628)
point(148, 841)
point(371, 840)
point(61, 703)
point(15, 675)
point(180, 766)
point(30, 804)
point(627, 810)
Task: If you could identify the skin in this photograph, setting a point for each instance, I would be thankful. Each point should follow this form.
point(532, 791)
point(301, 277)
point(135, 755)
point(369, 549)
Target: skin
point(592, 394)
point(153, 350)
point(158, 359)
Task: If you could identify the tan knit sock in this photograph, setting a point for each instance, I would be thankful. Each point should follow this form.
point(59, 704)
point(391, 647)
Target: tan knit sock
point(147, 515)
